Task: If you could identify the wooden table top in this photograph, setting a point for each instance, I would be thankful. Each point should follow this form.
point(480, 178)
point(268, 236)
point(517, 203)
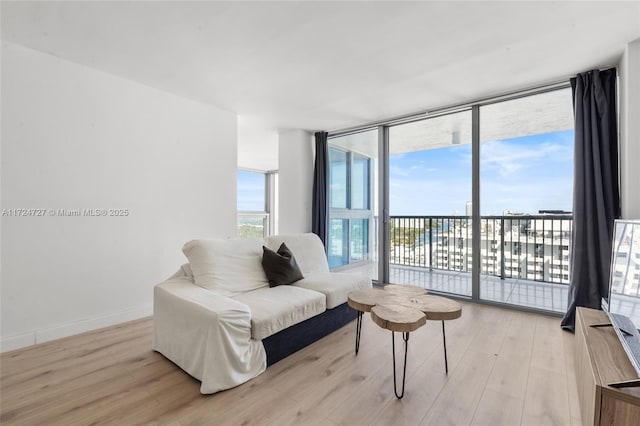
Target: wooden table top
point(404, 290)
point(398, 301)
point(435, 307)
point(398, 318)
point(364, 299)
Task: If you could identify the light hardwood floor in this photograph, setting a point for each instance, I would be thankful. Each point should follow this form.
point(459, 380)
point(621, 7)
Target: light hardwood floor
point(505, 368)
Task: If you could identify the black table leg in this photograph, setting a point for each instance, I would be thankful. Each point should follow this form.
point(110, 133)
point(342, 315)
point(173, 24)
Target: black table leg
point(358, 330)
point(405, 337)
point(444, 343)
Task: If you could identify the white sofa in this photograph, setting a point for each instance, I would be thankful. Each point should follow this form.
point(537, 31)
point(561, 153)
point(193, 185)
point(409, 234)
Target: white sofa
point(213, 315)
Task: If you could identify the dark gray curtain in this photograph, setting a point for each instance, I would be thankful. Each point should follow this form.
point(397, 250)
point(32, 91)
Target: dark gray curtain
point(596, 195)
point(320, 174)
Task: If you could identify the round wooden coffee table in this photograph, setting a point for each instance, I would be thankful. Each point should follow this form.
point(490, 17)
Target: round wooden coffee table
point(402, 309)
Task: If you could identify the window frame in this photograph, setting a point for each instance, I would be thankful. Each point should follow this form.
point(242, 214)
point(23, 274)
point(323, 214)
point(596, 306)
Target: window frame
point(349, 213)
point(269, 213)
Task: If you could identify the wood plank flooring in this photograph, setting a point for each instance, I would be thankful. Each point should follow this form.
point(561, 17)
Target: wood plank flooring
point(505, 368)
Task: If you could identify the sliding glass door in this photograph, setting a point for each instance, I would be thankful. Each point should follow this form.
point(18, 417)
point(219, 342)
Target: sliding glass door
point(430, 192)
point(526, 181)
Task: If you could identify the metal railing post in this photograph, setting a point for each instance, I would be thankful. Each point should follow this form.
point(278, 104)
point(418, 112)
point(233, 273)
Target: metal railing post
point(431, 244)
point(502, 248)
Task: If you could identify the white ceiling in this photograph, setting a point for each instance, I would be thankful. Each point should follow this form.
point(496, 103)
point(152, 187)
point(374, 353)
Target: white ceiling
point(329, 65)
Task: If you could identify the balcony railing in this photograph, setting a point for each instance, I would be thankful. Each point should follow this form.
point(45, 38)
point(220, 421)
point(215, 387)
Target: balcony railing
point(532, 247)
point(253, 224)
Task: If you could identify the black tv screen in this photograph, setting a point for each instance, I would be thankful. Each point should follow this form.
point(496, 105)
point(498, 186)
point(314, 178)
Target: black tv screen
point(623, 302)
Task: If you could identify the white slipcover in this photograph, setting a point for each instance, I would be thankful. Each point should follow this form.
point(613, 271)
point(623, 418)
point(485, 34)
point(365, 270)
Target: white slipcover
point(205, 334)
point(306, 248)
point(228, 267)
point(274, 309)
point(336, 286)
point(211, 329)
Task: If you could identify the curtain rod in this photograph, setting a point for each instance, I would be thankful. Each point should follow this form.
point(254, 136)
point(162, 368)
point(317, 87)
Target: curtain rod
point(416, 116)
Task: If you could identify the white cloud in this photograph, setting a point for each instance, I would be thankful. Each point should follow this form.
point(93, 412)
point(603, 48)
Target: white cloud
point(395, 171)
point(507, 159)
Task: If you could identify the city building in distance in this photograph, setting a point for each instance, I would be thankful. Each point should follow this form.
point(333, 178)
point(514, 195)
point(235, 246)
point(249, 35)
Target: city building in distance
point(514, 245)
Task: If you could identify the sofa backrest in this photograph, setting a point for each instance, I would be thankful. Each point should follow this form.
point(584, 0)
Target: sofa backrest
point(228, 267)
point(306, 248)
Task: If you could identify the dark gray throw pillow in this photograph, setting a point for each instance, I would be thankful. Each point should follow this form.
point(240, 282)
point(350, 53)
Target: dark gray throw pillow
point(281, 267)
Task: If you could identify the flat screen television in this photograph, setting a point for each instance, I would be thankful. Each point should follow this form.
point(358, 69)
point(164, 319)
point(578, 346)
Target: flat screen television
point(623, 301)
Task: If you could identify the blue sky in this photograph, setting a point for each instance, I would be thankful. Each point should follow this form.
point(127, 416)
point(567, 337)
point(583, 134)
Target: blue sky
point(250, 191)
point(523, 175)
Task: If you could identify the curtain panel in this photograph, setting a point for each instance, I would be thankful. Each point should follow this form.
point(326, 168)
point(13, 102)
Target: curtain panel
point(596, 193)
point(320, 179)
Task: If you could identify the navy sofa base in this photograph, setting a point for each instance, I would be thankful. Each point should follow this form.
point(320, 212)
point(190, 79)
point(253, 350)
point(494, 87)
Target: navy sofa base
point(296, 337)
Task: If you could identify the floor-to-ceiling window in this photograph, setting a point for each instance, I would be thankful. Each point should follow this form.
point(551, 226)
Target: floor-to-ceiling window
point(512, 156)
point(429, 190)
point(526, 187)
point(353, 224)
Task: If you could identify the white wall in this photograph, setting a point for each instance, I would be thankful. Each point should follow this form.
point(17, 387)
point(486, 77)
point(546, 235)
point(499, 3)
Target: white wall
point(257, 146)
point(295, 166)
point(630, 131)
point(75, 138)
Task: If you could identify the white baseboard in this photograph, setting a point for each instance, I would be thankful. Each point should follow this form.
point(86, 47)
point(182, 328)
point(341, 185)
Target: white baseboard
point(69, 329)
point(17, 341)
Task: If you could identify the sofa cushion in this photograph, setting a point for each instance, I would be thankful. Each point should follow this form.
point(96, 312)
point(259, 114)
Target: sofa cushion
point(276, 308)
point(334, 285)
point(227, 267)
point(308, 249)
point(281, 266)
